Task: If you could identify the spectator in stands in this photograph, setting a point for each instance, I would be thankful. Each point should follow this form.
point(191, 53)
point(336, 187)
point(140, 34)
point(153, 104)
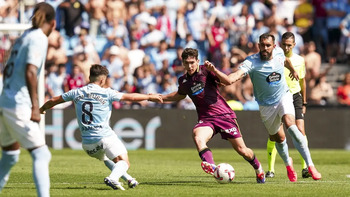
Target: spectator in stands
point(190, 43)
point(303, 16)
point(135, 56)
point(56, 52)
point(320, 33)
point(258, 29)
point(177, 67)
point(75, 79)
point(115, 29)
point(150, 41)
point(70, 12)
point(164, 24)
point(216, 35)
point(55, 79)
point(312, 62)
point(242, 23)
point(196, 20)
point(285, 10)
point(258, 9)
point(96, 10)
point(345, 29)
point(162, 54)
point(322, 92)
point(114, 65)
point(343, 91)
point(244, 44)
point(116, 9)
point(336, 10)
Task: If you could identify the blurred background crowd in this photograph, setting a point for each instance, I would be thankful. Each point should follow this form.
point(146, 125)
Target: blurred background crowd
point(140, 42)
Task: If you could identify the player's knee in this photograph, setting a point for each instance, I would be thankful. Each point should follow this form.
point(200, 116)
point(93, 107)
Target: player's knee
point(41, 153)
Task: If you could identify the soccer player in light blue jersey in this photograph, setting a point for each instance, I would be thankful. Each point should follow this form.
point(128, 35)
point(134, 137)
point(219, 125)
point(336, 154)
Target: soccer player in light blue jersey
point(93, 107)
point(19, 104)
point(266, 70)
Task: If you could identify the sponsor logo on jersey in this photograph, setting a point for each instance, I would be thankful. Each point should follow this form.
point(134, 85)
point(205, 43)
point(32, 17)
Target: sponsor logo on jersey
point(273, 78)
point(197, 88)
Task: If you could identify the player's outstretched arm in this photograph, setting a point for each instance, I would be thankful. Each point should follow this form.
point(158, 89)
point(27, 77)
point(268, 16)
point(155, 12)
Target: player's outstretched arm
point(225, 79)
point(174, 96)
point(141, 97)
point(51, 103)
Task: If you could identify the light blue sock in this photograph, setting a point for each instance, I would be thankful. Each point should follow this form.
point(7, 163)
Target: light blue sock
point(119, 169)
point(41, 159)
point(300, 144)
point(282, 149)
point(8, 159)
point(110, 164)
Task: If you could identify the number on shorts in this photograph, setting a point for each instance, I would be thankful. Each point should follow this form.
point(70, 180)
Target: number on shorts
point(87, 108)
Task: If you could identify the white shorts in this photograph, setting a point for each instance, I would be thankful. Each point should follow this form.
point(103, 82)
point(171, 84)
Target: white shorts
point(110, 147)
point(272, 115)
point(16, 126)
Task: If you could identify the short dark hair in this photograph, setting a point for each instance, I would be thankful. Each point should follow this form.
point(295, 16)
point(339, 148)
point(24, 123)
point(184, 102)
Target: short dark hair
point(97, 70)
point(189, 52)
point(266, 36)
point(287, 35)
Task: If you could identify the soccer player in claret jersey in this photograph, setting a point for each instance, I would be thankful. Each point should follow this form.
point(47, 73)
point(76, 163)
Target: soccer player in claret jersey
point(266, 70)
point(19, 103)
point(93, 107)
point(214, 114)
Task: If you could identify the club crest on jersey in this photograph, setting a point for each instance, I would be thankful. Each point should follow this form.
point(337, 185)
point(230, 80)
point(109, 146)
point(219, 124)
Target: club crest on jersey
point(197, 88)
point(273, 78)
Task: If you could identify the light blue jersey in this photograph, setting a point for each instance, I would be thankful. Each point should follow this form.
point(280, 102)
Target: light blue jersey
point(30, 48)
point(267, 77)
point(93, 108)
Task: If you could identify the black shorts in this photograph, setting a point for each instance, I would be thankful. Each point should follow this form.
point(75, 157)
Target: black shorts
point(298, 106)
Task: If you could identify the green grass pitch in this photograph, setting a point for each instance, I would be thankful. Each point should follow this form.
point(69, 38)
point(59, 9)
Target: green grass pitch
point(177, 172)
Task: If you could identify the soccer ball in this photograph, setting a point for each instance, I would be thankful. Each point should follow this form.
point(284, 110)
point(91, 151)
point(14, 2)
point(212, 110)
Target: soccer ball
point(224, 173)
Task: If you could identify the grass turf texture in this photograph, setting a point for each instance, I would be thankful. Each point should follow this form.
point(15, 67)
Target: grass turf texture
point(177, 172)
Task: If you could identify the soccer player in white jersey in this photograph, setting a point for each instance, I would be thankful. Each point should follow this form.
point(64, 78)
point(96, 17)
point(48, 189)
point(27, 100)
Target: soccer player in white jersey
point(19, 104)
point(93, 107)
point(266, 70)
point(298, 89)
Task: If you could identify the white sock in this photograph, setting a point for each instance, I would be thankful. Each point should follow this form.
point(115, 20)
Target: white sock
point(41, 159)
point(282, 149)
point(300, 144)
point(119, 169)
point(8, 160)
point(110, 164)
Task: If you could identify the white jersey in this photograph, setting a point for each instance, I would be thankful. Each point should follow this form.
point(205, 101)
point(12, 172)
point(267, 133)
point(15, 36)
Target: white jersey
point(93, 108)
point(267, 77)
point(30, 48)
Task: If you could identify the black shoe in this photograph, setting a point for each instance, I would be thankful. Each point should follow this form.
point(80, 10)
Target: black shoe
point(271, 174)
point(305, 173)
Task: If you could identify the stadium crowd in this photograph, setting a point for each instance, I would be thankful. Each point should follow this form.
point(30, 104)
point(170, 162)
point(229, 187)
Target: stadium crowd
point(140, 42)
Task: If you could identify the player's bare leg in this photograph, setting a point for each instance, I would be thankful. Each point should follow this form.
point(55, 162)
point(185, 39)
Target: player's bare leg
point(248, 154)
point(201, 136)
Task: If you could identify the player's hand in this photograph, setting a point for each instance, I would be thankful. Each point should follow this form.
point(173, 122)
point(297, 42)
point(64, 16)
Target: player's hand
point(294, 76)
point(42, 111)
point(35, 117)
point(156, 98)
point(209, 66)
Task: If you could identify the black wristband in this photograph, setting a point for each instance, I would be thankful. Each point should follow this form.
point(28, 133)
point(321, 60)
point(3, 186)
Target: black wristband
point(304, 104)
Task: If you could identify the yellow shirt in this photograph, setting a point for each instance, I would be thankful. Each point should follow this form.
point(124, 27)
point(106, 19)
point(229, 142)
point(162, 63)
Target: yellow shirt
point(298, 63)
